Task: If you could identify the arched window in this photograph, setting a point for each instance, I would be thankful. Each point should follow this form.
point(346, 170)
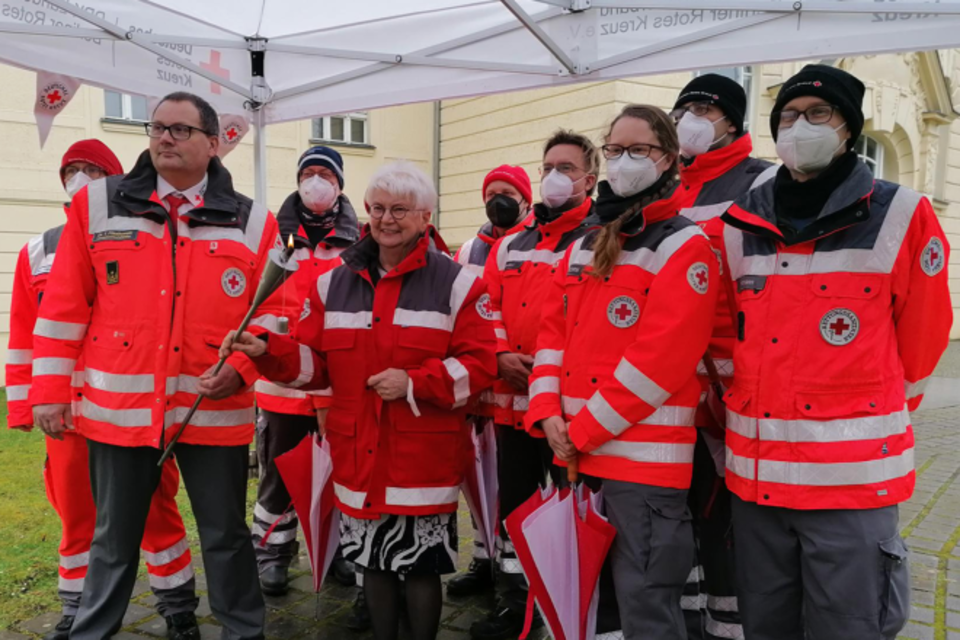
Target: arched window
point(871, 152)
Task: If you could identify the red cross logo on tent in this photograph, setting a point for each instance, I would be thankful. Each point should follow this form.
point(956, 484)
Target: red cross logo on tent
point(484, 308)
point(213, 66)
point(623, 312)
point(699, 277)
point(932, 258)
point(839, 326)
point(233, 281)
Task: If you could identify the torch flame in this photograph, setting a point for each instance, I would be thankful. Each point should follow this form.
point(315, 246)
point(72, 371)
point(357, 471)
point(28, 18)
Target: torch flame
point(290, 242)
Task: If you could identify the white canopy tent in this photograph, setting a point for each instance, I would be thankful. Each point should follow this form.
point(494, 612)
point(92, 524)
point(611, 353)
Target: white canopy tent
point(279, 60)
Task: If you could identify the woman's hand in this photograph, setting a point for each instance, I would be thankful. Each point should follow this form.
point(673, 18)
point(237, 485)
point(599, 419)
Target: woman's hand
point(557, 430)
point(391, 384)
point(247, 344)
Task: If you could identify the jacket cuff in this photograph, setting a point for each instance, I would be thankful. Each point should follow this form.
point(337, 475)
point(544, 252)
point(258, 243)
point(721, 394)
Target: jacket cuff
point(51, 392)
point(245, 367)
point(580, 434)
point(535, 414)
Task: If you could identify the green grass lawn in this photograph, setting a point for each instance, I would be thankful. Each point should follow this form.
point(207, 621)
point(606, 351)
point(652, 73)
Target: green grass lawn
point(30, 529)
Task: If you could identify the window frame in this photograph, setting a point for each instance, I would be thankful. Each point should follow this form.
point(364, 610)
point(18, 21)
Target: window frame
point(875, 162)
point(320, 129)
point(126, 108)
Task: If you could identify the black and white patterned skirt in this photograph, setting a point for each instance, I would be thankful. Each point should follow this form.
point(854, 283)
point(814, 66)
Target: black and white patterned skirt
point(402, 544)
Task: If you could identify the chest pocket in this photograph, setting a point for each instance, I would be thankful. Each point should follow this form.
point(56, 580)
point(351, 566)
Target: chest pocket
point(416, 345)
point(114, 261)
point(231, 268)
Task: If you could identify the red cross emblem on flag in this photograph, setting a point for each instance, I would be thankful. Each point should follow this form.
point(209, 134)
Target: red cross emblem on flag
point(932, 258)
point(484, 307)
point(213, 66)
point(839, 326)
point(231, 134)
point(623, 312)
point(54, 97)
point(234, 283)
point(698, 275)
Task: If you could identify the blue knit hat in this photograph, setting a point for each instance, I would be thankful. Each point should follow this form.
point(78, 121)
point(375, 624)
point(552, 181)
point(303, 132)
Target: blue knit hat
point(320, 156)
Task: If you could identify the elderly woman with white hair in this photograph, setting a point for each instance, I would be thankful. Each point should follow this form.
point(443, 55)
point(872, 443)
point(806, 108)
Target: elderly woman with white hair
point(404, 336)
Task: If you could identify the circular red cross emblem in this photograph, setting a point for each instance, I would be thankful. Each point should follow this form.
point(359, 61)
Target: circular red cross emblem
point(699, 277)
point(839, 326)
point(233, 281)
point(623, 312)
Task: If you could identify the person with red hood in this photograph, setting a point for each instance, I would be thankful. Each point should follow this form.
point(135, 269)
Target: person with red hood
point(404, 336)
point(715, 169)
point(507, 198)
point(66, 472)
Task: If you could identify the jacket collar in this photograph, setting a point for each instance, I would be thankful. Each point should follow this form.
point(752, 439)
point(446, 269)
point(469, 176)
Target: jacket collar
point(848, 205)
point(136, 192)
point(362, 255)
point(567, 221)
point(346, 227)
point(713, 164)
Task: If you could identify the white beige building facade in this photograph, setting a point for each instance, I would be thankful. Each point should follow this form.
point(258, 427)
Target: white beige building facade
point(912, 136)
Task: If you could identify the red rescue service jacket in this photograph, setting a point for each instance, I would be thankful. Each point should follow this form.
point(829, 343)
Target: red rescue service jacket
point(710, 184)
point(429, 317)
point(518, 275)
point(617, 356)
point(134, 294)
point(838, 330)
point(29, 282)
point(290, 300)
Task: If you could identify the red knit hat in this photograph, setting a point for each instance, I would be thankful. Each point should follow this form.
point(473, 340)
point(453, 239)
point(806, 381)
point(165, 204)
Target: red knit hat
point(94, 152)
point(514, 176)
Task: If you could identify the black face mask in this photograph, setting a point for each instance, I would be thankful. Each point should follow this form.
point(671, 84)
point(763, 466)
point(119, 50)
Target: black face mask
point(503, 211)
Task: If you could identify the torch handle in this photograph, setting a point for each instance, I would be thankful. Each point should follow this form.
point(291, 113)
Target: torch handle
point(196, 403)
point(573, 470)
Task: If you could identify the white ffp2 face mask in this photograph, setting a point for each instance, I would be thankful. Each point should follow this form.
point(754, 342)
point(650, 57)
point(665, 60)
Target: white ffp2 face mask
point(806, 147)
point(556, 189)
point(696, 134)
point(629, 176)
point(77, 182)
point(317, 194)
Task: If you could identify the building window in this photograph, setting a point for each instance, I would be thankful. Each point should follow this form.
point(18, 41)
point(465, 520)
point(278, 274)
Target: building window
point(744, 76)
point(871, 153)
point(351, 128)
point(123, 106)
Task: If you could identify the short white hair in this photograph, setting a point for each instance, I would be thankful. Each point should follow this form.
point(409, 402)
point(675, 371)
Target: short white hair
point(403, 179)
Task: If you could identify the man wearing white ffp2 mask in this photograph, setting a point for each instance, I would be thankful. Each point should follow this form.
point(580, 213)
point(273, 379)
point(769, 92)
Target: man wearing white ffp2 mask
point(716, 168)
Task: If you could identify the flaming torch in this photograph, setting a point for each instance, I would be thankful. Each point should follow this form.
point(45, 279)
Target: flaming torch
point(278, 269)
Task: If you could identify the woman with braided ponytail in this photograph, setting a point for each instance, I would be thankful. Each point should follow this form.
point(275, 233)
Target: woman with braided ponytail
point(614, 381)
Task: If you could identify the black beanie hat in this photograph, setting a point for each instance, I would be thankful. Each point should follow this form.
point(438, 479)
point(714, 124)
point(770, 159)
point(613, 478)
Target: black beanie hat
point(836, 86)
point(722, 91)
point(321, 156)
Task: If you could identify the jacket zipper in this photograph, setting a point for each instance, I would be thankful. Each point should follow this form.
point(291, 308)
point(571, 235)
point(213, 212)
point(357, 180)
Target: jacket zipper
point(173, 312)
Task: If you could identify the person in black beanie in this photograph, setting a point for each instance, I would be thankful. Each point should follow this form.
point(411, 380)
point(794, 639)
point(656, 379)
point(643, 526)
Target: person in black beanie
point(716, 168)
point(323, 223)
point(842, 309)
point(709, 114)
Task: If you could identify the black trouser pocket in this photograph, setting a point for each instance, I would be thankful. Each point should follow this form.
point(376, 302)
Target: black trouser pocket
point(894, 586)
point(671, 543)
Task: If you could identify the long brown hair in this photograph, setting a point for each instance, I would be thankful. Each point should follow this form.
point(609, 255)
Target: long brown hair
point(606, 247)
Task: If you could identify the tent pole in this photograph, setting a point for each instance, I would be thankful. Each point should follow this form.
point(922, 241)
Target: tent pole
point(259, 158)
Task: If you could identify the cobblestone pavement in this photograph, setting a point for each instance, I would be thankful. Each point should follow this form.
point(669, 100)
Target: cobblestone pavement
point(930, 521)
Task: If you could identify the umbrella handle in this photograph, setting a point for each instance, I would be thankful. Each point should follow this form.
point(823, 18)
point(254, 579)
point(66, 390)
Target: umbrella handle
point(573, 470)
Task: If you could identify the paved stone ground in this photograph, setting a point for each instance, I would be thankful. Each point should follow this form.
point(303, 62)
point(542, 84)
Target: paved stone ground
point(930, 521)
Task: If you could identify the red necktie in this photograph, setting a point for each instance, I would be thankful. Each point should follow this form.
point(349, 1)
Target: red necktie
point(174, 202)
